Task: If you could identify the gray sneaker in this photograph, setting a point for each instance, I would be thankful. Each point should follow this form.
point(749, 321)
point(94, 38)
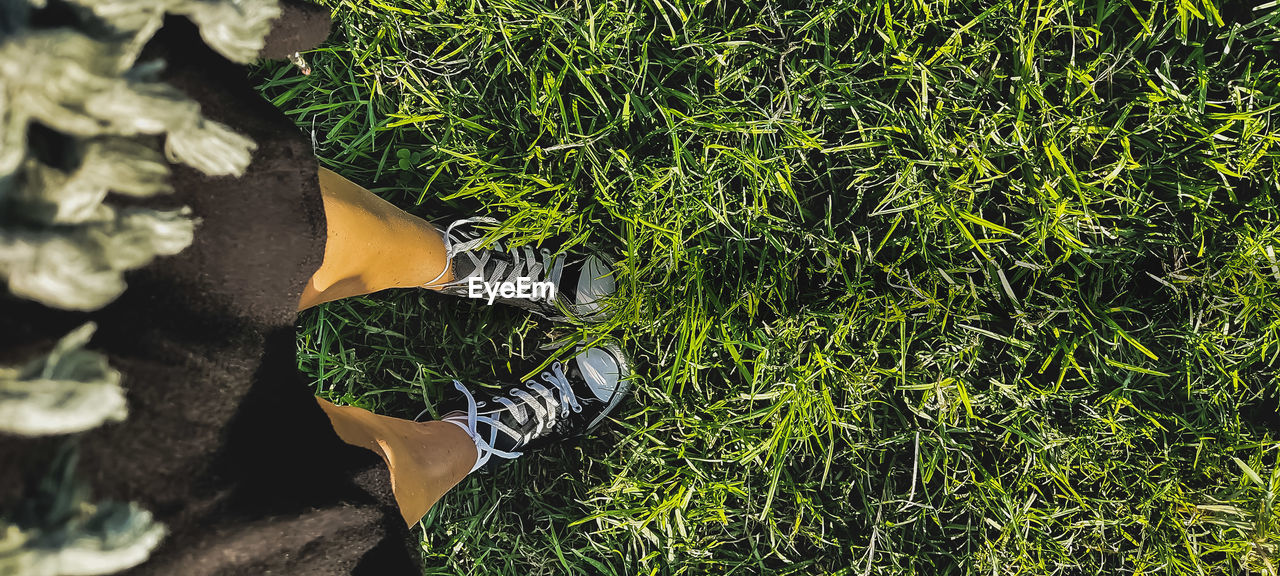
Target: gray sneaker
point(565, 401)
point(558, 287)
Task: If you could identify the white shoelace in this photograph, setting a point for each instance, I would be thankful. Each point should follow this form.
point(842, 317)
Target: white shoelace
point(543, 404)
point(524, 262)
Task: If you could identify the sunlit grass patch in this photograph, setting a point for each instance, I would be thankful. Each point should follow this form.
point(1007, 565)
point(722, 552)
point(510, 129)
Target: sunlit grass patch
point(939, 287)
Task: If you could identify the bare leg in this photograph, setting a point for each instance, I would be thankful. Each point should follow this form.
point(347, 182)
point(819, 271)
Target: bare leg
point(372, 246)
point(426, 459)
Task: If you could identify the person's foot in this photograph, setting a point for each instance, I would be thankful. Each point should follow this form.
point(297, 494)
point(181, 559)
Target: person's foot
point(557, 287)
point(565, 401)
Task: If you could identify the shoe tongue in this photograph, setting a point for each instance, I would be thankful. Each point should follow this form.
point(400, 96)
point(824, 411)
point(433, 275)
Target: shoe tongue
point(462, 268)
point(505, 442)
point(464, 263)
point(508, 419)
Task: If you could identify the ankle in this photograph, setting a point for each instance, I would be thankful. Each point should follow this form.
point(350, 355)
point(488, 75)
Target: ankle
point(459, 419)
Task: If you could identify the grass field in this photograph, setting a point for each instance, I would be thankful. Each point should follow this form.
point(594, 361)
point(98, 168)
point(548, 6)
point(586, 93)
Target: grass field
point(925, 287)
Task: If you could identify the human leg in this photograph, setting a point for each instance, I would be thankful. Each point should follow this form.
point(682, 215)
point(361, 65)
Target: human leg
point(372, 245)
point(426, 459)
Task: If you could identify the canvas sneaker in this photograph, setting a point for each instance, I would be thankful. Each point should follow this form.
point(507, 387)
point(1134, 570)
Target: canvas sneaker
point(567, 400)
point(579, 285)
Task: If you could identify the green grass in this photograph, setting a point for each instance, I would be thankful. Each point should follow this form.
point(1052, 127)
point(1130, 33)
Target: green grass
point(928, 287)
